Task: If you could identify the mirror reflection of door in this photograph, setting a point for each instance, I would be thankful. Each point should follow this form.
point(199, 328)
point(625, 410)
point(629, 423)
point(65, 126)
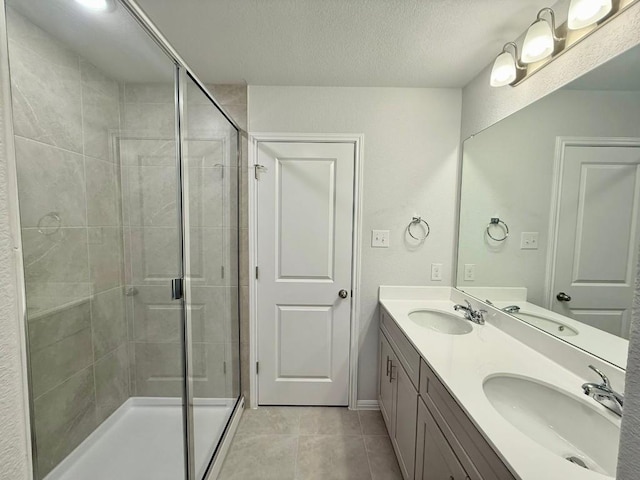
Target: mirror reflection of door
point(597, 235)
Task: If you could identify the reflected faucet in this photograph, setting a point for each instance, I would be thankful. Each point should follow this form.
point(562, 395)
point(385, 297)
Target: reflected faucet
point(509, 309)
point(604, 394)
point(475, 316)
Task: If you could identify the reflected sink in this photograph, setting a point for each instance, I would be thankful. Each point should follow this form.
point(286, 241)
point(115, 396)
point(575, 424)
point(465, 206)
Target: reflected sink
point(441, 322)
point(558, 421)
point(547, 324)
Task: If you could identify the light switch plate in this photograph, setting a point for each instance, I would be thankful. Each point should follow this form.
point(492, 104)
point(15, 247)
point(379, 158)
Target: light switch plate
point(380, 238)
point(529, 241)
point(469, 272)
point(436, 272)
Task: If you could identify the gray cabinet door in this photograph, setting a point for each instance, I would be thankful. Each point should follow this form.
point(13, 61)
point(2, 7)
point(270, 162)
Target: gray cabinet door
point(435, 459)
point(385, 386)
point(405, 418)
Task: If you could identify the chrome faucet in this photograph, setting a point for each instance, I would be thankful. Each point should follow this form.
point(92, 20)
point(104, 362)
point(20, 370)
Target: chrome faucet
point(475, 316)
point(604, 394)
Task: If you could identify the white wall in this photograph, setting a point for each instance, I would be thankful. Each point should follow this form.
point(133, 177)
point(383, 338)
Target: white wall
point(483, 105)
point(411, 139)
point(14, 447)
point(521, 148)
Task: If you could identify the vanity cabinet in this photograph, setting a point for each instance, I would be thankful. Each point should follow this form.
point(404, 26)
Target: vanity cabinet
point(435, 459)
point(398, 399)
point(432, 436)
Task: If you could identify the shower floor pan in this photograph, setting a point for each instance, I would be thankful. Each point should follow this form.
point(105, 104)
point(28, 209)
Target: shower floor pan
point(143, 439)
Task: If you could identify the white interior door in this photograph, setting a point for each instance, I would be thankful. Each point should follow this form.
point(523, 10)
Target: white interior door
point(305, 219)
point(597, 236)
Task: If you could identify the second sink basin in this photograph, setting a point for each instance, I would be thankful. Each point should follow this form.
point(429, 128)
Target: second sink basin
point(547, 324)
point(441, 322)
point(562, 423)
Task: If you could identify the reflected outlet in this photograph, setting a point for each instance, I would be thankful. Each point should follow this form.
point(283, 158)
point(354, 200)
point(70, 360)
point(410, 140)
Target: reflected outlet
point(529, 241)
point(469, 272)
point(380, 238)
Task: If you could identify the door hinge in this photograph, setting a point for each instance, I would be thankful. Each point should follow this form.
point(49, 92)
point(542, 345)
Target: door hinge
point(222, 271)
point(258, 169)
point(352, 293)
point(257, 367)
point(257, 273)
point(224, 367)
point(176, 289)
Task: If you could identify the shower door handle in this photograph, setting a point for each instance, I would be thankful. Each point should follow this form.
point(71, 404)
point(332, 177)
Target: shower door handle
point(176, 289)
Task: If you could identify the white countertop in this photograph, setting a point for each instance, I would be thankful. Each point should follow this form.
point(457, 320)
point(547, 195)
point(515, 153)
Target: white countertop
point(462, 362)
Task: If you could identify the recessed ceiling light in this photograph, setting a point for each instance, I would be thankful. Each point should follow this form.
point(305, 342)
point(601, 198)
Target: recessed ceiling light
point(97, 5)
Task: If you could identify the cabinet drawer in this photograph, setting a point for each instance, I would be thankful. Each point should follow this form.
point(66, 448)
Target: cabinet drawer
point(467, 442)
point(407, 355)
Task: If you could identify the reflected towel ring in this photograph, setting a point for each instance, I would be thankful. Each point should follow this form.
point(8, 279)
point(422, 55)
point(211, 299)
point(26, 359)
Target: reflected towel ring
point(49, 224)
point(498, 222)
point(418, 220)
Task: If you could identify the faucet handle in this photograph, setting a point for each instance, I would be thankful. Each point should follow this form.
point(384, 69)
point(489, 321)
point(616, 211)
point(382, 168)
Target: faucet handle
point(605, 379)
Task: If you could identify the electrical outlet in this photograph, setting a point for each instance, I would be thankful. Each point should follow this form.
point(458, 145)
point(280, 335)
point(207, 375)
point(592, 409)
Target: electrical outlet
point(529, 241)
point(469, 272)
point(436, 272)
point(380, 238)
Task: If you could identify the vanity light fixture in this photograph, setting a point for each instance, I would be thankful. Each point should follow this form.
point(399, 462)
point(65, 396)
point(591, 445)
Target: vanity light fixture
point(541, 40)
point(583, 13)
point(507, 68)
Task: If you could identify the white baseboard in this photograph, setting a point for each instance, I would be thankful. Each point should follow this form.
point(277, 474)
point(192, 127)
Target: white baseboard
point(367, 405)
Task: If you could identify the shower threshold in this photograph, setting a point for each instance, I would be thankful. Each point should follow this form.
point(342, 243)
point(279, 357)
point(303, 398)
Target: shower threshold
point(144, 439)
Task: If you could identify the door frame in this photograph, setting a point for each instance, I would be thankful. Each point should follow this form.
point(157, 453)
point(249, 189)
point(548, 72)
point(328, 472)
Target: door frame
point(358, 141)
point(562, 143)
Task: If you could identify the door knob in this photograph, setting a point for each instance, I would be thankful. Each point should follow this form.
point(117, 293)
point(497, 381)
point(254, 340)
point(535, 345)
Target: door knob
point(563, 297)
point(343, 293)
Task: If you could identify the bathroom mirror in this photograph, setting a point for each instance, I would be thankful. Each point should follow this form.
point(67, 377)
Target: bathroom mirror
point(549, 210)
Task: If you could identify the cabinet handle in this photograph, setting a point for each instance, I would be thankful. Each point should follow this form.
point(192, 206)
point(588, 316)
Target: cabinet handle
point(387, 365)
point(391, 377)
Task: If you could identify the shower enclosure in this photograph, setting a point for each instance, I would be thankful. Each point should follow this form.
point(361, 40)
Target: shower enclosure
point(127, 176)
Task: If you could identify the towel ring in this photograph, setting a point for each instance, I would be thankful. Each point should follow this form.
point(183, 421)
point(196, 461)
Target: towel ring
point(498, 222)
point(49, 224)
point(418, 220)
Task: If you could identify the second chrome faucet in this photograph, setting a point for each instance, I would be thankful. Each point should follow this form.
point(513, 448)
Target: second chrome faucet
point(604, 394)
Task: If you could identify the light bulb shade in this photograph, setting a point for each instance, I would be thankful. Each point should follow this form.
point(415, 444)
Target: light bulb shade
point(98, 5)
point(538, 42)
point(504, 70)
point(583, 13)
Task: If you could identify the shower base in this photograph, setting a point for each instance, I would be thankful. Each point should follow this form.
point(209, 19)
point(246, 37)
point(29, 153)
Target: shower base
point(144, 439)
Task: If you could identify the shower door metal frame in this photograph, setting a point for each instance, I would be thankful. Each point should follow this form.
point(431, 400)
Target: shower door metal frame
point(182, 73)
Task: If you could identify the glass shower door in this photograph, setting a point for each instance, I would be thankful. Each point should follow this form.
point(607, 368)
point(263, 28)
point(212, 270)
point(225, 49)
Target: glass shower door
point(95, 139)
point(210, 206)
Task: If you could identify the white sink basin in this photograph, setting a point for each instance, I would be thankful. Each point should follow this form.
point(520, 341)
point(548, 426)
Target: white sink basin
point(441, 322)
point(547, 324)
point(567, 426)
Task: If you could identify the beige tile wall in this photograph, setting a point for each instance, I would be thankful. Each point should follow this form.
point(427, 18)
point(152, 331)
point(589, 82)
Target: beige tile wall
point(234, 100)
point(64, 112)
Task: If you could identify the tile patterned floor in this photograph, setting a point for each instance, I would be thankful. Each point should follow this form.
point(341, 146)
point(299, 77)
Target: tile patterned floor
point(311, 443)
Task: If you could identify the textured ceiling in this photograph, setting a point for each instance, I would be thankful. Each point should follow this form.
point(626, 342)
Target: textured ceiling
point(401, 43)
